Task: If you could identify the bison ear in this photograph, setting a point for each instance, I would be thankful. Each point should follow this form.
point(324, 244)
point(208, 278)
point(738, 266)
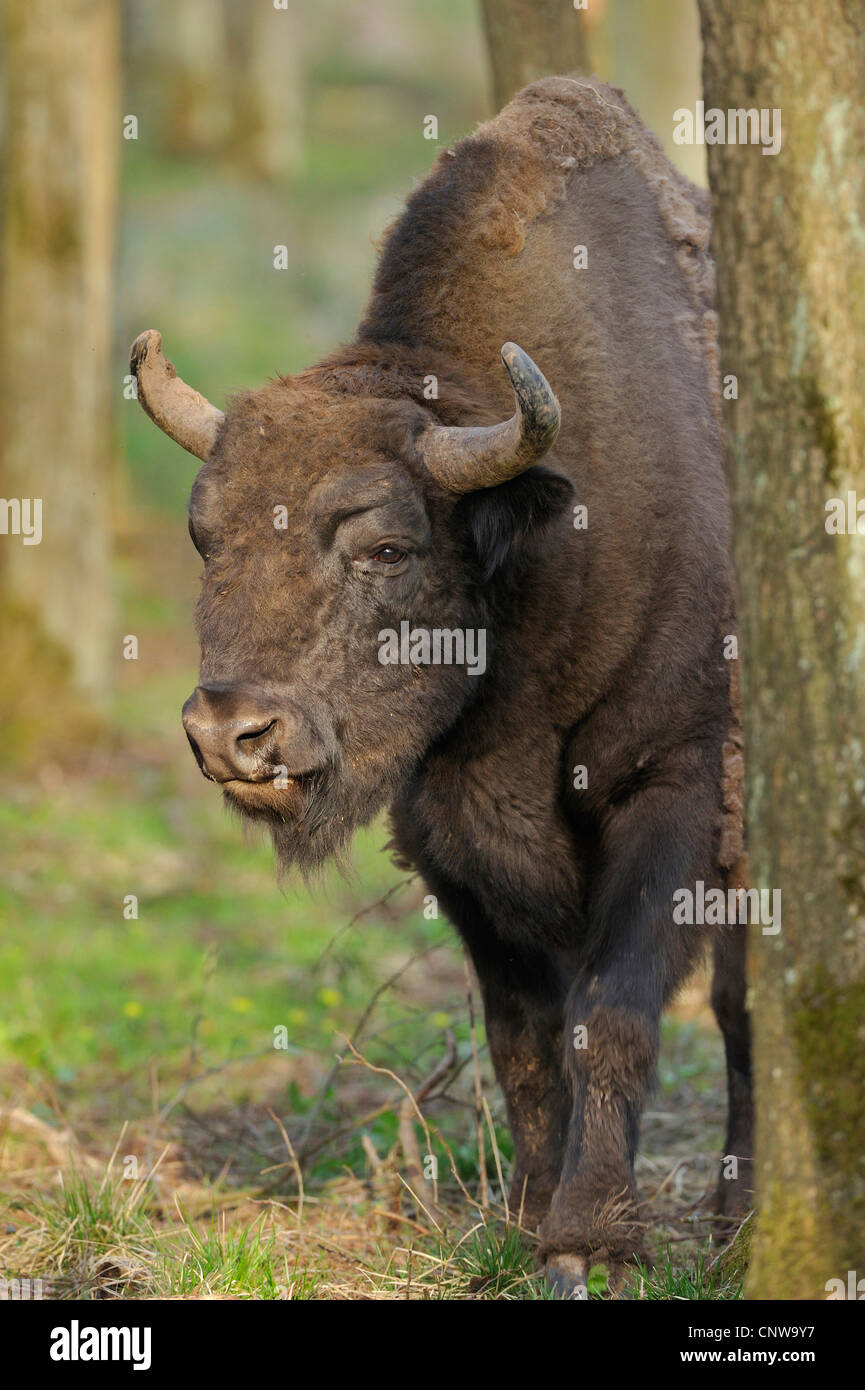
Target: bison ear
point(501, 519)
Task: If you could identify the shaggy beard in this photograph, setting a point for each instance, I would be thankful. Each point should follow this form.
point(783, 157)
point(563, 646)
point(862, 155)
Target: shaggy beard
point(314, 821)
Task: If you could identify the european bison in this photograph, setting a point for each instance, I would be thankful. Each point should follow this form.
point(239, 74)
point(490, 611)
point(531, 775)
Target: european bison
point(555, 795)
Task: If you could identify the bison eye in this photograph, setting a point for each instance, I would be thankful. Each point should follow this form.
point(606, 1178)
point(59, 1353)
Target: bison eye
point(389, 555)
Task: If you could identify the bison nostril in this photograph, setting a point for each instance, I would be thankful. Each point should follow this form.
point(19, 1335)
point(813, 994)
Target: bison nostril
point(252, 735)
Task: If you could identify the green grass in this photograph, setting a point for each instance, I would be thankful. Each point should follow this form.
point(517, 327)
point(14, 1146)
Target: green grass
point(218, 956)
point(233, 1263)
point(94, 1239)
point(698, 1279)
point(498, 1265)
point(105, 1239)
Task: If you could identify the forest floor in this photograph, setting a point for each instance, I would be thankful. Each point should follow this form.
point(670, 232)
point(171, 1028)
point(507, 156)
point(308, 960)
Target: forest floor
point(287, 1176)
point(273, 1177)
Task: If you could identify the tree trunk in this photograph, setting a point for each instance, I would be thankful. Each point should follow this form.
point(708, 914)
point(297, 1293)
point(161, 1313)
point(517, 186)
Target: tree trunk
point(62, 132)
point(789, 237)
point(193, 75)
point(528, 39)
point(266, 85)
point(225, 81)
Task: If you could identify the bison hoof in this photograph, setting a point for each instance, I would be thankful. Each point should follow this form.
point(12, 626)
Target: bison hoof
point(566, 1276)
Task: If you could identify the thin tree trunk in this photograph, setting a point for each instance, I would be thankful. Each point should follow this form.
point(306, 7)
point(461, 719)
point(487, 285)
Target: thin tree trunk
point(62, 136)
point(789, 239)
point(528, 39)
point(266, 86)
point(192, 74)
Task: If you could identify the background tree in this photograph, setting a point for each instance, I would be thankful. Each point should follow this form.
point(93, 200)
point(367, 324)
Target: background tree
point(266, 86)
point(528, 39)
point(62, 135)
point(192, 72)
point(224, 80)
point(789, 239)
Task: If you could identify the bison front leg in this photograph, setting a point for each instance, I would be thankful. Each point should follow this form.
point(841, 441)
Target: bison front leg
point(594, 1212)
point(633, 959)
point(525, 1050)
point(524, 999)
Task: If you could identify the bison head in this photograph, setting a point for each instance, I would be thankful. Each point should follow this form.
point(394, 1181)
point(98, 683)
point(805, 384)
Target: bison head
point(326, 521)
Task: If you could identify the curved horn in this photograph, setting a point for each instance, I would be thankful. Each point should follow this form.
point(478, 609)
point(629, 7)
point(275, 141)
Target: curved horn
point(184, 415)
point(464, 458)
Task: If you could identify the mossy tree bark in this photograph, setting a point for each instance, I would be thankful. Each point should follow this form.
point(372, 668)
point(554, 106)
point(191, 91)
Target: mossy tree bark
point(62, 136)
point(528, 39)
point(789, 238)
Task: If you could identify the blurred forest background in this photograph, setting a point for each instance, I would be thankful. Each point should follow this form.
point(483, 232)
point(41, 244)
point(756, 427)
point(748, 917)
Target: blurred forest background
point(155, 155)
